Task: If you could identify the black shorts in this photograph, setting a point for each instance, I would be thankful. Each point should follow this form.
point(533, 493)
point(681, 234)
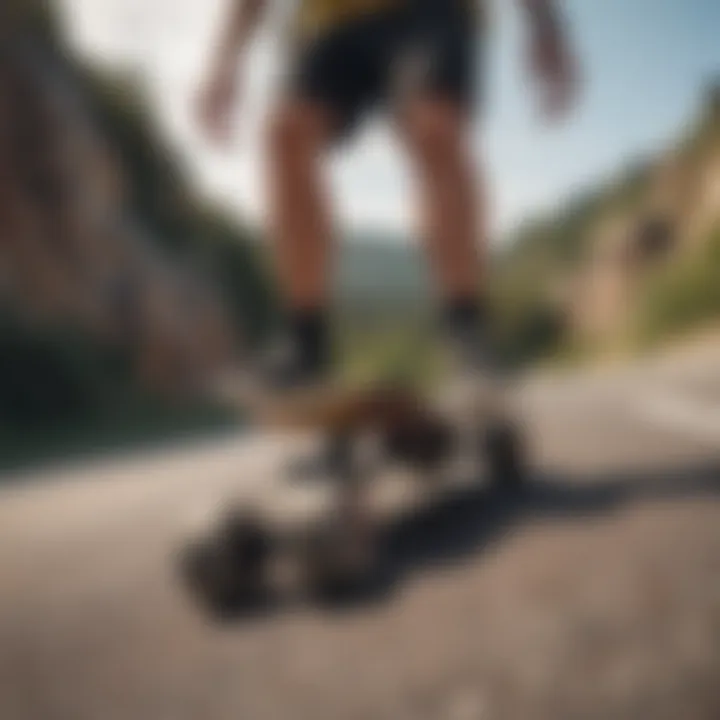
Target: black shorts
point(375, 60)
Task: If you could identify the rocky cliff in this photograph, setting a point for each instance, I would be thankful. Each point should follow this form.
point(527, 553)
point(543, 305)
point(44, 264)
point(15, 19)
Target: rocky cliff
point(100, 233)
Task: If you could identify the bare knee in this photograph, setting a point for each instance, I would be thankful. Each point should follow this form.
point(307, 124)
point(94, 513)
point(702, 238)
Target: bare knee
point(435, 134)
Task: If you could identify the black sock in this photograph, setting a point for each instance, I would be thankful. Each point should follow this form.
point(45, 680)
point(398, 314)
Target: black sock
point(465, 315)
point(308, 330)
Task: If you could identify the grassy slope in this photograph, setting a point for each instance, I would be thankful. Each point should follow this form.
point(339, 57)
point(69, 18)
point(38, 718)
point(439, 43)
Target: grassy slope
point(547, 252)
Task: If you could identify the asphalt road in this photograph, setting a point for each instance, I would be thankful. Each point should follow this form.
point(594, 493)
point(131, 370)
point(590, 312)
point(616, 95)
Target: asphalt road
point(596, 595)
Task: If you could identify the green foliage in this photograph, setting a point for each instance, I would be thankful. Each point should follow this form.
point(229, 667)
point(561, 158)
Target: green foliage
point(401, 346)
point(240, 268)
point(561, 240)
point(157, 191)
point(52, 375)
point(37, 17)
point(62, 393)
point(530, 326)
point(682, 297)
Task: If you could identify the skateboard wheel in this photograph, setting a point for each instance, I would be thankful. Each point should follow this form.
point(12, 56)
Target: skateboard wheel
point(423, 444)
point(339, 563)
point(227, 570)
point(504, 453)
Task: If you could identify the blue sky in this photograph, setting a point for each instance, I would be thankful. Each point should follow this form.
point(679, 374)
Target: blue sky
point(645, 63)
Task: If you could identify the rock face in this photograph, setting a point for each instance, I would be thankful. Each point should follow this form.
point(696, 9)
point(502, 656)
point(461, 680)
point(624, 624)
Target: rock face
point(72, 252)
point(677, 211)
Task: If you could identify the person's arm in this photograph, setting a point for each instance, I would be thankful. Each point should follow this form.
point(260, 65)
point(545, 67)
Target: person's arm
point(243, 19)
point(221, 86)
point(552, 60)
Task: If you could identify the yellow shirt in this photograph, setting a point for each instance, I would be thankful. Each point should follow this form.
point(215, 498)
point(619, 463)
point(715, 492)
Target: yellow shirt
point(316, 16)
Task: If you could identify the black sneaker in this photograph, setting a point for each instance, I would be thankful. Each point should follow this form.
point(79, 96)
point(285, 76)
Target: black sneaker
point(285, 368)
point(296, 364)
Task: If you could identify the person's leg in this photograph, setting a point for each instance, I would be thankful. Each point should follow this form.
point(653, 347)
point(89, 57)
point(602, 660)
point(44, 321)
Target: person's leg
point(333, 79)
point(452, 218)
point(435, 124)
point(299, 212)
point(300, 227)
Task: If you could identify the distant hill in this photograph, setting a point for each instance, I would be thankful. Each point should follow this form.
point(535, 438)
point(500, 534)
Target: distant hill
point(379, 270)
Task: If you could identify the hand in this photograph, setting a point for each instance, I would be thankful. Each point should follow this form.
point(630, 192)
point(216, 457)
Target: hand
point(215, 102)
point(555, 71)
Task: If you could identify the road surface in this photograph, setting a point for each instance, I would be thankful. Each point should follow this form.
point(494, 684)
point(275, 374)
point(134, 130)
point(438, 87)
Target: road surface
point(595, 596)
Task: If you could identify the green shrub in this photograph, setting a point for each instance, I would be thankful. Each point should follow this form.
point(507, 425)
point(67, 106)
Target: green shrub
point(682, 297)
point(530, 328)
point(51, 376)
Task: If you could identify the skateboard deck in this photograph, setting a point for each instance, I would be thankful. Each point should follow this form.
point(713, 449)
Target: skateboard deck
point(334, 406)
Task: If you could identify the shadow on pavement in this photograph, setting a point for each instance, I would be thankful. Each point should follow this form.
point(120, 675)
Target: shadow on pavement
point(472, 520)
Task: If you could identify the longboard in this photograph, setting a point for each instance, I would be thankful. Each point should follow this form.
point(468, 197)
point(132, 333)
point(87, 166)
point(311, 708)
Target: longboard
point(383, 451)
